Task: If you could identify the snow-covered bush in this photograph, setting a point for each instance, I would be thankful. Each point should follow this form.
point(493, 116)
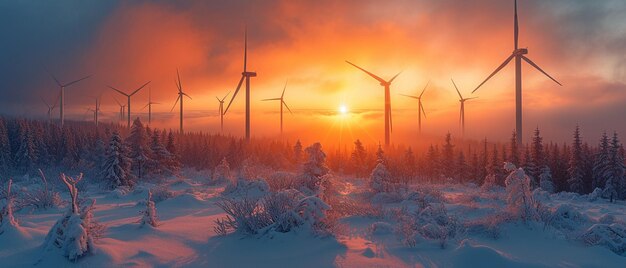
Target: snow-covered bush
point(253, 189)
point(432, 223)
point(7, 220)
point(283, 211)
point(565, 217)
point(162, 193)
point(381, 228)
point(41, 198)
point(222, 172)
point(75, 232)
point(149, 215)
point(519, 199)
point(611, 236)
point(595, 195)
point(116, 168)
point(281, 181)
point(380, 179)
point(545, 180)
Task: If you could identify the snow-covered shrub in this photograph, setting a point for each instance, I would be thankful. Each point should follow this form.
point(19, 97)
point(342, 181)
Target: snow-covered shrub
point(488, 226)
point(41, 198)
point(7, 220)
point(539, 195)
point(381, 228)
point(380, 179)
point(279, 181)
point(595, 195)
point(278, 212)
point(566, 217)
point(253, 189)
point(520, 202)
point(149, 215)
point(611, 236)
point(607, 219)
point(430, 223)
point(75, 232)
point(222, 172)
point(425, 195)
point(162, 193)
point(545, 180)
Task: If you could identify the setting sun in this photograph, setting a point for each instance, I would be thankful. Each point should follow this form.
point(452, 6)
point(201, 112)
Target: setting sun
point(343, 109)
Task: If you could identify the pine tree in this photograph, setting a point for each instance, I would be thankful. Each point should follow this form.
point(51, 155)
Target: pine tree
point(297, 152)
point(483, 164)
point(359, 159)
point(462, 167)
point(514, 150)
point(615, 184)
point(138, 149)
point(149, 215)
point(159, 156)
point(433, 167)
point(409, 163)
point(601, 164)
point(222, 172)
point(575, 171)
point(116, 167)
point(538, 158)
point(448, 157)
point(5, 149)
point(314, 168)
point(25, 157)
point(545, 180)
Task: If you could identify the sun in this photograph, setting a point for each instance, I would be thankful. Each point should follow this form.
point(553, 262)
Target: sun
point(343, 109)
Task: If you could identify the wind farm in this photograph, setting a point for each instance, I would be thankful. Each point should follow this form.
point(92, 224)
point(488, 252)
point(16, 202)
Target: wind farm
point(382, 151)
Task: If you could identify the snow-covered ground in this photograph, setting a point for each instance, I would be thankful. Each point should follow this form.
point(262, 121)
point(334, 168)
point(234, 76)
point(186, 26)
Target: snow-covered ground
point(186, 235)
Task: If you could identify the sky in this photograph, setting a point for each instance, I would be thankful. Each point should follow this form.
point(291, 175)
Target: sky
point(305, 44)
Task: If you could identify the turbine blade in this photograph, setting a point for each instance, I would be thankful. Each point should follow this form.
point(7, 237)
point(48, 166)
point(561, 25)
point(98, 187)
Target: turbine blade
point(234, 95)
point(516, 27)
point(74, 82)
point(180, 85)
point(245, 51)
point(370, 74)
point(424, 90)
point(394, 77)
point(537, 67)
point(457, 89)
point(144, 106)
point(119, 91)
point(271, 99)
point(218, 99)
point(390, 122)
point(496, 71)
point(414, 97)
point(55, 79)
point(118, 103)
point(136, 90)
point(44, 102)
point(186, 95)
point(285, 88)
point(471, 98)
point(178, 98)
point(226, 96)
point(422, 107)
point(287, 107)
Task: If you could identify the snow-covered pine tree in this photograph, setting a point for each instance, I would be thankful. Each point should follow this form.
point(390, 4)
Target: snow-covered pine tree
point(462, 169)
point(519, 199)
point(530, 168)
point(138, 149)
point(25, 157)
point(575, 181)
point(409, 164)
point(514, 155)
point(159, 156)
point(545, 180)
point(5, 148)
point(149, 215)
point(174, 161)
point(433, 163)
point(116, 167)
point(222, 172)
point(538, 157)
point(615, 183)
point(601, 163)
point(380, 178)
point(75, 232)
point(314, 168)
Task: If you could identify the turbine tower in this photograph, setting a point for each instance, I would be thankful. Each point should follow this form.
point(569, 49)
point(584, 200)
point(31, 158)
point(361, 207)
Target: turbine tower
point(149, 105)
point(282, 102)
point(247, 75)
point(386, 84)
point(62, 95)
point(518, 54)
point(122, 108)
point(50, 108)
point(128, 97)
point(462, 101)
point(96, 111)
point(420, 107)
point(180, 97)
point(221, 110)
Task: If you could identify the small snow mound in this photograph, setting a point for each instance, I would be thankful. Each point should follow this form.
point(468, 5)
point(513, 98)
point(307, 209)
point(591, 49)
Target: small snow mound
point(254, 189)
point(567, 217)
point(368, 252)
point(381, 228)
point(611, 236)
point(607, 219)
point(470, 255)
point(540, 195)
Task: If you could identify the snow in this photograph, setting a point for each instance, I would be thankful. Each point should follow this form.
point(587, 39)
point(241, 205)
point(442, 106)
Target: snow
point(581, 233)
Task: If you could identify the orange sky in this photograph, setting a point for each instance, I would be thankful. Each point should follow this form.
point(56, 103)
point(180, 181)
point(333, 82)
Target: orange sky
point(306, 43)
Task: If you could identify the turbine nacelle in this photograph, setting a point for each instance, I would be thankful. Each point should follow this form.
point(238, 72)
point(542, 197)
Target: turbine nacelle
point(249, 74)
point(520, 51)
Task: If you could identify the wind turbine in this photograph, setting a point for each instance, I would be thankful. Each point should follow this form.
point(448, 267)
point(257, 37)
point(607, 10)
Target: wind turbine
point(282, 102)
point(245, 74)
point(221, 110)
point(128, 97)
point(420, 107)
point(122, 108)
point(62, 94)
point(180, 97)
point(518, 54)
point(96, 111)
point(50, 107)
point(462, 100)
point(149, 105)
point(386, 84)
